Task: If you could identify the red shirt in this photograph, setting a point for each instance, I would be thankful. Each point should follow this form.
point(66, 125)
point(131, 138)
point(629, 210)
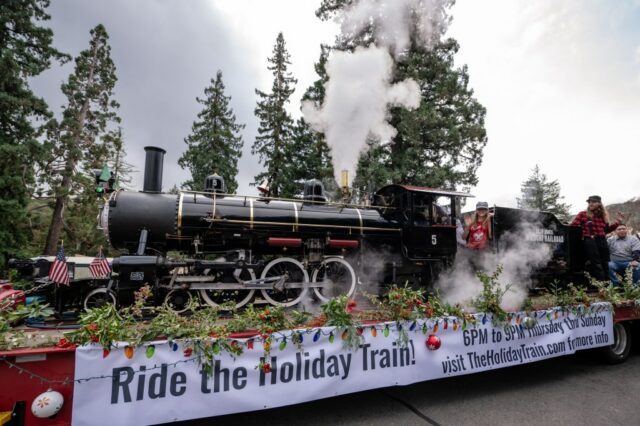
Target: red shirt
point(478, 235)
point(594, 227)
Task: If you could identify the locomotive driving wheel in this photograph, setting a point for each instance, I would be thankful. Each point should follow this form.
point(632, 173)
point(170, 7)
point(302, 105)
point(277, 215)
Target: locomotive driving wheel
point(290, 281)
point(337, 278)
point(218, 298)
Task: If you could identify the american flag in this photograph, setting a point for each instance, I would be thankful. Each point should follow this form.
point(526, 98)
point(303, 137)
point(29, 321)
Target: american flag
point(59, 272)
point(99, 266)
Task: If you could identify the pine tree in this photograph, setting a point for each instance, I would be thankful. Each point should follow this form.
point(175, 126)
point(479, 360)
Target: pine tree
point(311, 158)
point(538, 193)
point(119, 166)
point(274, 141)
point(25, 51)
point(440, 143)
point(316, 92)
point(214, 145)
point(79, 143)
point(316, 158)
point(371, 171)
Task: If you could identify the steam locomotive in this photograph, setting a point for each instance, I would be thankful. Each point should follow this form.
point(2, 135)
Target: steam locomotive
point(224, 248)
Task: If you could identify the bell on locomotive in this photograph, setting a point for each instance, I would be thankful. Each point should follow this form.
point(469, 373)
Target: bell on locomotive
point(215, 184)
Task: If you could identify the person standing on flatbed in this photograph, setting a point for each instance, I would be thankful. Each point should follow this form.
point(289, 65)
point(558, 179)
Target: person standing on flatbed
point(478, 230)
point(594, 222)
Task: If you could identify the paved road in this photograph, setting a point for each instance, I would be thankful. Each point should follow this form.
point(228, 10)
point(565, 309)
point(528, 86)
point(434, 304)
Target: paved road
point(571, 390)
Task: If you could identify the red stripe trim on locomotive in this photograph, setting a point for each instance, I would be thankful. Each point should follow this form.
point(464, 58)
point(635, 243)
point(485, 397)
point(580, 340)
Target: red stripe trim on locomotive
point(284, 242)
point(343, 243)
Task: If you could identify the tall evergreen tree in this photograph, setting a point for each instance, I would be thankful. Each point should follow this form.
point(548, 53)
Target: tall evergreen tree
point(25, 51)
point(312, 151)
point(214, 145)
point(372, 173)
point(274, 141)
point(120, 167)
point(78, 142)
point(538, 193)
point(441, 142)
point(311, 157)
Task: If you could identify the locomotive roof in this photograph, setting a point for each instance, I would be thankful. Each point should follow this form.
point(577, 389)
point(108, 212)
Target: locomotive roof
point(436, 191)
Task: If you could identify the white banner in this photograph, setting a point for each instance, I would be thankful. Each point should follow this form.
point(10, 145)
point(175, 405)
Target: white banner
point(165, 384)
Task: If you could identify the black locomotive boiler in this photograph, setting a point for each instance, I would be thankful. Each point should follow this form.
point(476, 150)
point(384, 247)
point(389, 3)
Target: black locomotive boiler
point(287, 249)
point(223, 249)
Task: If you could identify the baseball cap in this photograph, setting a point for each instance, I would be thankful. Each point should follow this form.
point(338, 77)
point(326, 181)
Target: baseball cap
point(482, 205)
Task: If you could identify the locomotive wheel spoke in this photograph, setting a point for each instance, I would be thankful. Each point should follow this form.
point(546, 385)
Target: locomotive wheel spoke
point(338, 278)
point(290, 270)
point(216, 298)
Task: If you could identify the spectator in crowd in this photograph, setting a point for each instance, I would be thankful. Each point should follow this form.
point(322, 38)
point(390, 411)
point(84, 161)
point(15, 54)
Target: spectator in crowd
point(625, 252)
point(595, 225)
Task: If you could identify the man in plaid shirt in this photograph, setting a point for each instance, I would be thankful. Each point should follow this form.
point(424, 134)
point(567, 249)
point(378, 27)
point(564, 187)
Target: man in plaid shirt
point(595, 226)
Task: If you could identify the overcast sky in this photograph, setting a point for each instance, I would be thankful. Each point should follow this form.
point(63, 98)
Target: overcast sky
point(560, 80)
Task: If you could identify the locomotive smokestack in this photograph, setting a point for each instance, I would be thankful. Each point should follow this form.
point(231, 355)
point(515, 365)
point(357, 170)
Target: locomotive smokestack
point(153, 169)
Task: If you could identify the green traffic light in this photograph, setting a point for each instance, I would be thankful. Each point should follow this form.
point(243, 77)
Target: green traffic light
point(99, 190)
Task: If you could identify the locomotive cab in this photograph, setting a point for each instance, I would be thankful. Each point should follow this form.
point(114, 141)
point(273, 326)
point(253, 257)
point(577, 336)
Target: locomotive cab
point(427, 217)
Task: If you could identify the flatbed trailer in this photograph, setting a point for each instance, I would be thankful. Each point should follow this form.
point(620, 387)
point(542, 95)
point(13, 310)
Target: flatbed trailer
point(27, 373)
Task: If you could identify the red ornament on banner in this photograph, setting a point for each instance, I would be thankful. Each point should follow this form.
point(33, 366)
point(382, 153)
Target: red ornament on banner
point(433, 342)
point(187, 352)
point(105, 353)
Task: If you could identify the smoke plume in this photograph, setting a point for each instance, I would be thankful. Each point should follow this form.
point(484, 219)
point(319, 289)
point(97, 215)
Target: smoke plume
point(520, 260)
point(360, 88)
point(355, 108)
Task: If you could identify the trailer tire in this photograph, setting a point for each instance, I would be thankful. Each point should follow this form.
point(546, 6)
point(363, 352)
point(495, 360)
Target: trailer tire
point(619, 351)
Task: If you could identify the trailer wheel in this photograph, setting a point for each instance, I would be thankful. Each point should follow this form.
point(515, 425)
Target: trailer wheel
point(178, 300)
point(98, 298)
point(619, 351)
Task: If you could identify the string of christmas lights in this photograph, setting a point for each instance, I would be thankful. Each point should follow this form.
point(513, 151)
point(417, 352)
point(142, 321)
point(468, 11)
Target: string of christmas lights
point(296, 336)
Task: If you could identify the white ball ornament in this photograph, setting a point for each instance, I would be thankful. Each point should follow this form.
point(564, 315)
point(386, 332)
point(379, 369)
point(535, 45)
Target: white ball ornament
point(47, 404)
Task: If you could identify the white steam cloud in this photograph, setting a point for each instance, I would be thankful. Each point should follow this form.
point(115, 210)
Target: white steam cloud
point(359, 89)
point(520, 260)
point(357, 95)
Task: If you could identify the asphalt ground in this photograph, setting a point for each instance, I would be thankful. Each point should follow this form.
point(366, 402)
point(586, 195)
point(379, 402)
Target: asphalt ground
point(571, 390)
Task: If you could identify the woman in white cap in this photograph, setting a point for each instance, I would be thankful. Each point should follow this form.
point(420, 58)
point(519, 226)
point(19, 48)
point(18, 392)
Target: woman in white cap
point(478, 227)
point(595, 225)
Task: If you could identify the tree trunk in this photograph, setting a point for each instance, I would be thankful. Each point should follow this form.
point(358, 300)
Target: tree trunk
point(55, 229)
